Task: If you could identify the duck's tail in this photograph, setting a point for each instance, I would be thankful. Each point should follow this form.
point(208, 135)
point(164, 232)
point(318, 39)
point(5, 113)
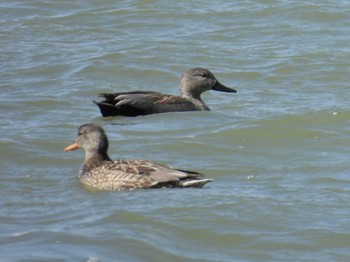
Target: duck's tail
point(107, 109)
point(196, 183)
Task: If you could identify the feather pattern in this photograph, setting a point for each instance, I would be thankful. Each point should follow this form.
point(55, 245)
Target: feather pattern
point(100, 172)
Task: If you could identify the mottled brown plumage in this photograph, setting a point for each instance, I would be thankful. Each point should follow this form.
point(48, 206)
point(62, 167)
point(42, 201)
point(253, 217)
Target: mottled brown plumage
point(193, 83)
point(100, 172)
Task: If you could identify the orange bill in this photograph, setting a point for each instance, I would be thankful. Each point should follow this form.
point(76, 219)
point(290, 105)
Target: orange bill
point(72, 147)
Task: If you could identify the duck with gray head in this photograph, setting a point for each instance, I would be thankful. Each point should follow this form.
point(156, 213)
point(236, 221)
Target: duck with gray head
point(193, 83)
point(99, 172)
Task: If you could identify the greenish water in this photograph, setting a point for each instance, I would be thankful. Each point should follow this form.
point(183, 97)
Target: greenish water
point(278, 149)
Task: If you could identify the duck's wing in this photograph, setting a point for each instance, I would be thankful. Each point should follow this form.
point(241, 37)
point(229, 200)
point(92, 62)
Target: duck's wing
point(127, 103)
point(145, 168)
point(142, 103)
point(163, 175)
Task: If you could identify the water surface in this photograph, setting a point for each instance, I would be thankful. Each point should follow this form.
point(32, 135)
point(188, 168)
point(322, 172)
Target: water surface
point(278, 149)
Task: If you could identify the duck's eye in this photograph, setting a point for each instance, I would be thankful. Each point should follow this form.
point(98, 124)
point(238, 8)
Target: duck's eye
point(204, 75)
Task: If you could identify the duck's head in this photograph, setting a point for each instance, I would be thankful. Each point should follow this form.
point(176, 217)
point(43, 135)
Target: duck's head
point(197, 80)
point(93, 139)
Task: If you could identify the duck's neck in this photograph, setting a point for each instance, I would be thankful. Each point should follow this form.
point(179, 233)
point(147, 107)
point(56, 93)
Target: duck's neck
point(197, 101)
point(95, 156)
point(195, 97)
point(190, 93)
